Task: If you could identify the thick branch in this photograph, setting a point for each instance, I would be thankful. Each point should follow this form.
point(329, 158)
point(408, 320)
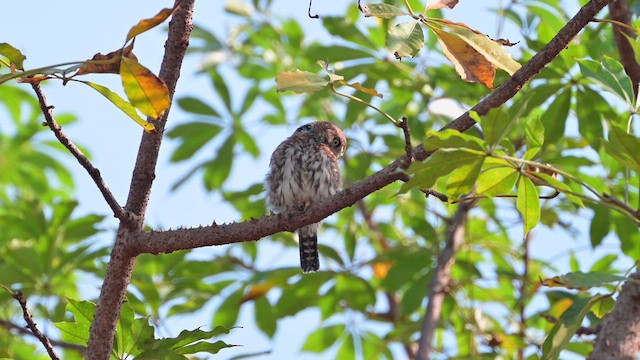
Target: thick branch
point(51, 122)
point(183, 239)
point(619, 11)
point(19, 296)
point(120, 268)
point(440, 280)
point(619, 337)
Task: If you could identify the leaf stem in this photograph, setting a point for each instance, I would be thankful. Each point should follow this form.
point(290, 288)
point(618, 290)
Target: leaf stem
point(356, 99)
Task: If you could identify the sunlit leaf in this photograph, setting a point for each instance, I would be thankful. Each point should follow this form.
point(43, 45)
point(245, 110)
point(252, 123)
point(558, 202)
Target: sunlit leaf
point(453, 139)
point(300, 81)
point(144, 89)
point(561, 187)
point(610, 75)
point(461, 180)
point(568, 324)
point(405, 39)
point(122, 104)
point(438, 4)
point(384, 11)
point(14, 55)
point(440, 163)
point(624, 147)
point(491, 50)
point(147, 24)
point(359, 87)
point(469, 63)
point(323, 338)
point(528, 203)
point(498, 178)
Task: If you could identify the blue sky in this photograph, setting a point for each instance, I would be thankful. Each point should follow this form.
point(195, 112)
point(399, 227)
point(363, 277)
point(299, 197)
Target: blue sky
point(62, 31)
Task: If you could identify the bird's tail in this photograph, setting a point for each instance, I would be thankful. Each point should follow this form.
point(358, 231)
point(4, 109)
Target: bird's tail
point(309, 257)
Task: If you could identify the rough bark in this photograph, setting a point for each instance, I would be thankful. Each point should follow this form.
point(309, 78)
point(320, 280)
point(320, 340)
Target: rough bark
point(619, 337)
point(120, 268)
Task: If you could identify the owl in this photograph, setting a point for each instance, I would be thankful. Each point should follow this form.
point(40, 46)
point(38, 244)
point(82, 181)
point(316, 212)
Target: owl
point(303, 169)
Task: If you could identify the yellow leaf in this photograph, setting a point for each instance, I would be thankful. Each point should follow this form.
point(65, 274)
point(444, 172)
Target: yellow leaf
point(122, 104)
point(381, 269)
point(256, 291)
point(143, 88)
point(147, 24)
point(469, 64)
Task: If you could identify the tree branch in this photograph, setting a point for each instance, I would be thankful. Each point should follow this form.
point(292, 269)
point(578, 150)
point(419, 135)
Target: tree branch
point(25, 331)
point(120, 268)
point(619, 11)
point(619, 337)
point(51, 122)
point(19, 296)
point(440, 280)
point(182, 239)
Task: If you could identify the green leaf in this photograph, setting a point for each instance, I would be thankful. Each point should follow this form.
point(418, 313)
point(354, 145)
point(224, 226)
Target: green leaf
point(247, 142)
point(335, 53)
point(405, 39)
point(555, 117)
point(498, 178)
point(77, 332)
point(495, 126)
point(609, 75)
point(265, 316)
point(462, 179)
point(196, 106)
point(561, 187)
point(204, 346)
point(568, 324)
point(14, 55)
point(122, 104)
point(534, 133)
point(192, 136)
point(227, 313)
point(222, 89)
point(147, 24)
point(144, 89)
point(323, 338)
point(440, 163)
point(580, 280)
point(589, 116)
point(300, 82)
point(384, 11)
point(451, 138)
point(347, 349)
point(528, 203)
point(600, 225)
point(624, 147)
point(218, 170)
point(355, 292)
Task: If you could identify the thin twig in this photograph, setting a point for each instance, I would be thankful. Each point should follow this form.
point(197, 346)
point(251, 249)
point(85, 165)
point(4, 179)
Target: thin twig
point(24, 331)
point(316, 16)
point(19, 295)
point(404, 124)
point(51, 122)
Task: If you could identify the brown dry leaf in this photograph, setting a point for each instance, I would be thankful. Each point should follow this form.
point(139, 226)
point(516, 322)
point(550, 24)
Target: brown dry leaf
point(146, 24)
point(438, 4)
point(106, 64)
point(469, 63)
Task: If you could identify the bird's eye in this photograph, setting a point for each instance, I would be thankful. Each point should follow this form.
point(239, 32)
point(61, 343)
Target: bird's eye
point(336, 142)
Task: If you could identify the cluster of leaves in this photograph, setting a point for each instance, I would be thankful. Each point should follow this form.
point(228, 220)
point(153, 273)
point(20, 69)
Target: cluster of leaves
point(372, 291)
point(388, 251)
point(144, 90)
point(135, 336)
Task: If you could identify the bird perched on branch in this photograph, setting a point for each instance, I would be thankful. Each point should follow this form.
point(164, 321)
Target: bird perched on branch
point(303, 169)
